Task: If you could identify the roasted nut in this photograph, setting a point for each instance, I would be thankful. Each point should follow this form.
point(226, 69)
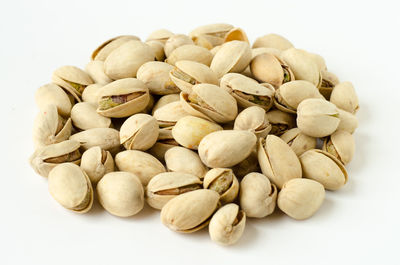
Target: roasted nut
point(51, 94)
point(273, 41)
point(97, 162)
point(280, 121)
point(180, 159)
point(253, 119)
point(102, 52)
point(106, 138)
point(298, 141)
point(155, 75)
point(84, 116)
point(223, 181)
point(190, 52)
point(341, 145)
point(344, 97)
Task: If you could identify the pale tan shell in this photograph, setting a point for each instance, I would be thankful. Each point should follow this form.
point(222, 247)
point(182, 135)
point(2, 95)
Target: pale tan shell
point(96, 163)
point(161, 35)
point(344, 97)
point(215, 50)
point(301, 198)
point(149, 106)
point(348, 121)
point(253, 119)
point(95, 69)
point(277, 160)
point(341, 145)
point(164, 100)
point(169, 114)
point(257, 195)
point(329, 81)
point(106, 138)
point(158, 48)
point(190, 52)
point(280, 121)
point(319, 61)
point(273, 41)
point(230, 193)
point(257, 51)
point(176, 41)
point(211, 35)
point(84, 117)
point(91, 94)
point(55, 95)
point(155, 75)
point(102, 52)
point(180, 159)
point(298, 141)
point(164, 142)
point(236, 34)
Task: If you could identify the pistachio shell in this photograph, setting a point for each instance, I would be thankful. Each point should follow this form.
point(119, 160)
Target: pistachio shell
point(253, 119)
point(341, 145)
point(106, 138)
point(91, 94)
point(329, 81)
point(164, 142)
point(95, 69)
point(149, 107)
point(273, 51)
point(190, 52)
point(319, 61)
point(164, 100)
point(273, 41)
point(250, 164)
point(53, 94)
point(280, 121)
point(298, 141)
point(180, 159)
point(176, 41)
point(158, 48)
point(96, 163)
point(84, 117)
point(223, 181)
point(217, 30)
point(102, 52)
point(169, 114)
point(344, 97)
point(155, 75)
point(160, 35)
point(236, 34)
point(348, 122)
point(215, 50)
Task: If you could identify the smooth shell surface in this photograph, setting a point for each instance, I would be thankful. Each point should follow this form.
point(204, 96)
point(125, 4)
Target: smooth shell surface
point(53, 94)
point(106, 138)
point(84, 116)
point(253, 119)
point(341, 145)
point(96, 163)
point(344, 97)
point(273, 41)
point(180, 159)
point(191, 53)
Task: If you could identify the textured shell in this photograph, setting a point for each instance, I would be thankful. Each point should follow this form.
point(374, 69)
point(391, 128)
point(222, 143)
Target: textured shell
point(95, 69)
point(121, 193)
point(180, 159)
point(236, 34)
point(84, 117)
point(106, 138)
point(222, 228)
point(91, 94)
point(124, 61)
point(317, 117)
point(158, 48)
point(102, 52)
point(231, 193)
point(277, 160)
point(301, 198)
point(348, 122)
point(324, 168)
point(257, 195)
point(253, 119)
point(298, 141)
point(176, 41)
point(343, 144)
point(142, 129)
point(273, 41)
point(164, 100)
point(190, 52)
point(69, 186)
point(277, 117)
point(226, 148)
point(165, 181)
point(91, 163)
point(155, 75)
point(211, 29)
point(53, 94)
point(169, 114)
point(160, 35)
point(344, 97)
point(190, 211)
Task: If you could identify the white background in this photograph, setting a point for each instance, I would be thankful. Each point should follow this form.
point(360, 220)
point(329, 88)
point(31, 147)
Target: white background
point(357, 225)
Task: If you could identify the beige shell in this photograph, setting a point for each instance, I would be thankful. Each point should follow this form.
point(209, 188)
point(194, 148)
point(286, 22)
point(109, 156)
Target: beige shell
point(169, 114)
point(149, 107)
point(55, 95)
point(176, 41)
point(124, 61)
point(95, 69)
point(158, 48)
point(236, 34)
point(226, 148)
point(166, 186)
point(84, 117)
point(106, 138)
point(210, 35)
point(344, 97)
point(97, 162)
point(121, 193)
point(273, 51)
point(164, 142)
point(257, 195)
point(253, 119)
point(329, 81)
point(45, 158)
point(301, 198)
point(273, 41)
point(190, 130)
point(319, 61)
point(341, 145)
point(191, 211)
point(190, 52)
point(160, 35)
point(215, 50)
point(277, 160)
point(324, 168)
point(180, 159)
point(348, 121)
point(102, 52)
point(223, 181)
point(317, 117)
point(70, 186)
point(227, 225)
point(139, 132)
point(164, 100)
point(280, 121)
point(91, 94)
point(298, 141)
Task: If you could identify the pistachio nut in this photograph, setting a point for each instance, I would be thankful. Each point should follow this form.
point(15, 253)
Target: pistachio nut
point(298, 141)
point(250, 164)
point(102, 52)
point(190, 130)
point(344, 97)
point(329, 81)
point(319, 61)
point(223, 181)
point(253, 119)
point(53, 94)
point(122, 98)
point(191, 211)
point(166, 186)
point(186, 74)
point(84, 116)
point(301, 198)
point(161, 35)
point(226, 148)
point(280, 121)
point(47, 157)
point(190, 52)
point(176, 41)
point(215, 50)
point(143, 165)
point(169, 114)
point(91, 94)
point(348, 121)
point(121, 193)
point(139, 132)
point(273, 51)
point(273, 41)
point(210, 102)
point(323, 167)
point(70, 186)
point(277, 160)
point(165, 141)
point(95, 69)
point(247, 91)
point(341, 145)
point(158, 49)
point(232, 57)
point(97, 162)
point(124, 61)
point(257, 195)
point(50, 127)
point(210, 35)
point(236, 34)
point(106, 138)
point(180, 159)
point(164, 100)
point(227, 224)
point(317, 117)
point(155, 75)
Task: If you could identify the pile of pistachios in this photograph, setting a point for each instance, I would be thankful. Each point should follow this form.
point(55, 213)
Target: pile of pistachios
point(203, 127)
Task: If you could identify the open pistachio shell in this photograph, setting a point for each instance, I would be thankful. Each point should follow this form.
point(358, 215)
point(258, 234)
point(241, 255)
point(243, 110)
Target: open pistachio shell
point(215, 50)
point(158, 48)
point(169, 114)
point(55, 95)
point(91, 94)
point(155, 75)
point(298, 141)
point(319, 61)
point(95, 69)
point(106, 138)
point(149, 107)
point(190, 52)
point(329, 81)
point(273, 41)
point(164, 100)
point(280, 121)
point(253, 119)
point(348, 121)
point(210, 35)
point(165, 141)
point(341, 145)
point(161, 35)
point(102, 52)
point(180, 159)
point(84, 116)
point(223, 181)
point(176, 41)
point(344, 97)
point(97, 162)
point(236, 34)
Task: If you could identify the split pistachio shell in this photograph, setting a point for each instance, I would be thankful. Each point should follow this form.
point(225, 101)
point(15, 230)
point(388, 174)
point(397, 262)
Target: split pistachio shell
point(142, 164)
point(97, 162)
point(166, 186)
point(247, 91)
point(158, 49)
point(190, 52)
point(91, 94)
point(227, 225)
point(253, 119)
point(190, 130)
point(210, 102)
point(277, 160)
point(180, 159)
point(70, 186)
point(169, 114)
point(45, 158)
point(273, 41)
point(329, 81)
point(106, 138)
point(323, 167)
point(150, 105)
point(160, 35)
point(95, 69)
point(165, 141)
point(226, 148)
point(121, 193)
point(301, 198)
point(257, 195)
point(186, 74)
point(348, 121)
point(84, 116)
point(164, 100)
point(155, 75)
point(223, 181)
point(344, 96)
point(50, 127)
point(215, 50)
point(191, 211)
point(280, 121)
point(139, 132)
point(250, 164)
point(317, 117)
point(211, 35)
point(176, 41)
point(124, 61)
point(236, 34)
point(233, 57)
point(298, 141)
point(122, 98)
point(102, 52)
point(341, 145)
point(53, 94)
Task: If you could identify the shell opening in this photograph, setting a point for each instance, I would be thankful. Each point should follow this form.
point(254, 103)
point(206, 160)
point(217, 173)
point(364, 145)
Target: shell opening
point(258, 100)
point(109, 102)
point(222, 183)
point(183, 76)
point(70, 157)
point(179, 190)
point(78, 87)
